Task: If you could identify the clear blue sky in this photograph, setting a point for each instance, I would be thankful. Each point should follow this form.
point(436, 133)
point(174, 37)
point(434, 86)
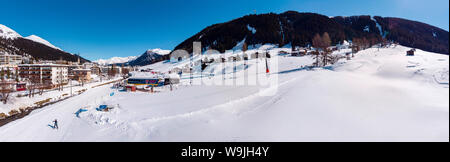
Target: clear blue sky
point(103, 29)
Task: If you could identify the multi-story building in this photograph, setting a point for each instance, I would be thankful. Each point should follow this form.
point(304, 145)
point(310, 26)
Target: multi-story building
point(111, 69)
point(10, 59)
point(96, 70)
point(71, 67)
point(82, 75)
point(88, 65)
point(47, 62)
point(48, 74)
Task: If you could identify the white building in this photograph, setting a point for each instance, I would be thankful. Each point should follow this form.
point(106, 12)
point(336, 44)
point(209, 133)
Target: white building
point(49, 74)
point(10, 59)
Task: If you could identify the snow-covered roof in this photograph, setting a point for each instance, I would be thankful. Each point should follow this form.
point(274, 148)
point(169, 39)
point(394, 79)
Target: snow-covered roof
point(59, 65)
point(172, 76)
point(81, 69)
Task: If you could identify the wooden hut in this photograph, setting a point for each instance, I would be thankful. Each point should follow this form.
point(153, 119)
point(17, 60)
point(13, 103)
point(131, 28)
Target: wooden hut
point(410, 52)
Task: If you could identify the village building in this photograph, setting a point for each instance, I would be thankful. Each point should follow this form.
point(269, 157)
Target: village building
point(95, 70)
point(301, 52)
point(410, 52)
point(82, 75)
point(47, 62)
point(48, 74)
point(10, 67)
point(10, 59)
point(71, 67)
point(113, 69)
point(88, 65)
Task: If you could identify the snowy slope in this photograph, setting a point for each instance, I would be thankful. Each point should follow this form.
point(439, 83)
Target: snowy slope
point(115, 60)
point(8, 33)
point(40, 40)
point(377, 96)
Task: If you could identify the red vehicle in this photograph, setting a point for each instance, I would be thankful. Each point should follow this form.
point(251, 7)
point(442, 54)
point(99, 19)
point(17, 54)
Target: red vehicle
point(21, 86)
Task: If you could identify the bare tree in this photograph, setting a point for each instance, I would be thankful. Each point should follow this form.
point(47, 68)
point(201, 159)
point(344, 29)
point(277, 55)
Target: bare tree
point(317, 44)
point(112, 72)
point(356, 45)
point(32, 84)
point(365, 43)
point(125, 71)
point(41, 88)
point(16, 76)
point(6, 87)
point(326, 52)
point(8, 73)
point(244, 49)
point(60, 81)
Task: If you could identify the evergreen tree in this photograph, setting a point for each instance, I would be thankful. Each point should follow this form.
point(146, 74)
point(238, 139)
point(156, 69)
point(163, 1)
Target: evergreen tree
point(2, 74)
point(17, 75)
point(8, 73)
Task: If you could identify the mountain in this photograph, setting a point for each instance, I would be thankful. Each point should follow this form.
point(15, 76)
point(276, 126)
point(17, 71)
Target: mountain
point(115, 60)
point(298, 29)
point(32, 46)
point(406, 32)
point(8, 33)
point(416, 34)
point(42, 41)
point(150, 57)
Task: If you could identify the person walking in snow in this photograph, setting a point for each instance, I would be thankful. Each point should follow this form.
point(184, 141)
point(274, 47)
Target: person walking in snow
point(55, 124)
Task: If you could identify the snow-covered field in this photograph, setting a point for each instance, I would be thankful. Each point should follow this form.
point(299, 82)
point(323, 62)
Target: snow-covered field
point(377, 96)
point(16, 103)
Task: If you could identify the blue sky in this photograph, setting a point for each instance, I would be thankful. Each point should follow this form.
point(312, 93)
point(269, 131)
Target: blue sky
point(103, 29)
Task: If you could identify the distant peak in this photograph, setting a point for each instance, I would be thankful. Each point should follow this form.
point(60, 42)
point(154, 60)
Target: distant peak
point(158, 51)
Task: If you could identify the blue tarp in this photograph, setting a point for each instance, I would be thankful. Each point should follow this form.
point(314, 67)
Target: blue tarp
point(101, 107)
point(79, 111)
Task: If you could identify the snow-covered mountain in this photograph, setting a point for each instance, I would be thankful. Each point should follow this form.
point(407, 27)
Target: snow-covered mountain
point(8, 33)
point(158, 51)
point(34, 46)
point(115, 60)
point(40, 40)
point(150, 56)
point(298, 29)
